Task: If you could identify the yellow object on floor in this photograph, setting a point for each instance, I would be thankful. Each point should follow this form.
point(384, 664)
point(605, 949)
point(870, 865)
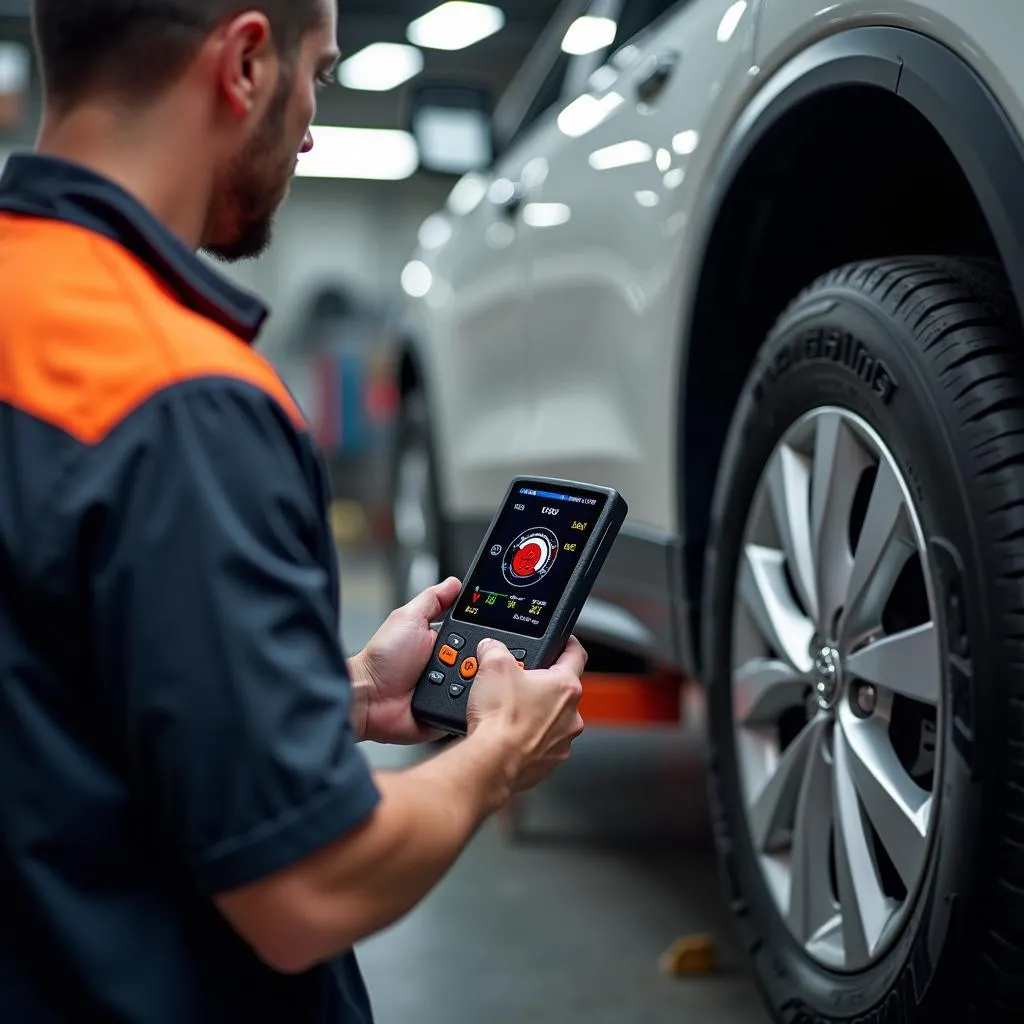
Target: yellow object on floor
point(694, 954)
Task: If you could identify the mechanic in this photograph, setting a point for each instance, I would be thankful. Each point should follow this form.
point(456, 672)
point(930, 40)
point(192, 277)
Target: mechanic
point(188, 829)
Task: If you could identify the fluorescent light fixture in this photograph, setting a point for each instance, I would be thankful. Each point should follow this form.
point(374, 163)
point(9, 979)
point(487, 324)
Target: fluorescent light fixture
point(586, 113)
point(731, 20)
point(380, 67)
point(546, 215)
point(647, 197)
point(435, 232)
point(588, 35)
point(15, 67)
point(379, 154)
point(622, 154)
point(686, 142)
point(417, 279)
point(455, 25)
point(453, 141)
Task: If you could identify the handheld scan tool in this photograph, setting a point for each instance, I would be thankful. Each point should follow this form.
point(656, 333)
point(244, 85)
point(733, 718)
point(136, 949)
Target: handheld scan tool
point(527, 585)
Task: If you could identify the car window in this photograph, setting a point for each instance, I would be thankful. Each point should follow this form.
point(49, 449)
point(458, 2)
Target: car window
point(539, 83)
point(637, 15)
point(549, 93)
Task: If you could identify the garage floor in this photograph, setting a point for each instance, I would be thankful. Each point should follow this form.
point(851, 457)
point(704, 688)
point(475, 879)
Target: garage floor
point(566, 924)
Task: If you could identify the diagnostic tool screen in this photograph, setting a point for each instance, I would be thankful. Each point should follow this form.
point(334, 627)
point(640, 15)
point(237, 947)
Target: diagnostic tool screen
point(530, 555)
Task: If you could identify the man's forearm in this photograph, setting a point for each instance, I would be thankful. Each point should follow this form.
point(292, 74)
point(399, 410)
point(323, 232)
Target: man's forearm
point(370, 878)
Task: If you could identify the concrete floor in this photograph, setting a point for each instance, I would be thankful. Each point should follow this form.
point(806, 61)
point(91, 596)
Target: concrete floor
point(566, 923)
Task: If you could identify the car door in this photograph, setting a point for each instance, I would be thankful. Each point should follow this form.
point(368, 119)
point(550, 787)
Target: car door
point(602, 231)
point(478, 302)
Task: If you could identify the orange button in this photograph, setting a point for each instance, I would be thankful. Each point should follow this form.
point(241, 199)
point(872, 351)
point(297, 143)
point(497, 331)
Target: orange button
point(468, 668)
point(521, 664)
point(448, 655)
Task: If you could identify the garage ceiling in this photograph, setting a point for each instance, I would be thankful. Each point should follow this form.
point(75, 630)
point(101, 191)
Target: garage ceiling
point(491, 62)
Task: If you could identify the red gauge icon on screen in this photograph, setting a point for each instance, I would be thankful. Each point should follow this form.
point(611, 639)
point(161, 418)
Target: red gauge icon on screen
point(528, 559)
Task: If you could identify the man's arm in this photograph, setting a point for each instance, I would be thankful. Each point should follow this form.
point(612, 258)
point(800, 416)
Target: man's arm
point(373, 876)
point(217, 654)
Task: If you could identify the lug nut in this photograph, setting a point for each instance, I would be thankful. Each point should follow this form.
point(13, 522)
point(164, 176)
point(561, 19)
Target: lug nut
point(867, 698)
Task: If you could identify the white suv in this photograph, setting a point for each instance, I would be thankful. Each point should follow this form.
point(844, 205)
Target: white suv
point(760, 266)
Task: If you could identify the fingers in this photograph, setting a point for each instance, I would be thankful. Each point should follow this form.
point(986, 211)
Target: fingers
point(435, 601)
point(574, 658)
point(492, 653)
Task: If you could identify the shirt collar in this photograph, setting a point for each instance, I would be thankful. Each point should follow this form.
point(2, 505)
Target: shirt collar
point(46, 186)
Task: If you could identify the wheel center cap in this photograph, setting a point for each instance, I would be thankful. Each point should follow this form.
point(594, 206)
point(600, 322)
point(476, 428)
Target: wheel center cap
point(828, 676)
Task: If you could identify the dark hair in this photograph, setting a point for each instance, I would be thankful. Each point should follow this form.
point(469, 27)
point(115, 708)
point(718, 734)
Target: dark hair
point(136, 47)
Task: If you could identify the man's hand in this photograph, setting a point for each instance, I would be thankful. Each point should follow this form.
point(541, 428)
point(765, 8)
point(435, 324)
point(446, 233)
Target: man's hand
point(535, 712)
point(386, 671)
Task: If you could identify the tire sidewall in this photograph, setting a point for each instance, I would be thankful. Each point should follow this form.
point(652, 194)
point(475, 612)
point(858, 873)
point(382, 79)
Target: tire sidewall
point(838, 347)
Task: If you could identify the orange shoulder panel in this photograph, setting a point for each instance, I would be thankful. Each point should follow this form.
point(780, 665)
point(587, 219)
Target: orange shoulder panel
point(88, 332)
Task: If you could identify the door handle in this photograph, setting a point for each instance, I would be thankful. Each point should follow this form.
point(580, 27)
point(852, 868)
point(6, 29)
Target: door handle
point(655, 74)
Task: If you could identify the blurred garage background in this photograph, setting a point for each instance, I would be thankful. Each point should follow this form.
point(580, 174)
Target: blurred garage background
point(563, 914)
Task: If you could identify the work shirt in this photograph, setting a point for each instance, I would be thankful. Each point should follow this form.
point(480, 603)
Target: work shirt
point(174, 700)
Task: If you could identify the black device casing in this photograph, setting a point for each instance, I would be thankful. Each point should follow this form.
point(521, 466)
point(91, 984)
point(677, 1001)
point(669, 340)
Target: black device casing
point(432, 704)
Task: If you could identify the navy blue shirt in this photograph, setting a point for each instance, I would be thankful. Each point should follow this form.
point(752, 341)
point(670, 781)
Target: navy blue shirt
point(174, 699)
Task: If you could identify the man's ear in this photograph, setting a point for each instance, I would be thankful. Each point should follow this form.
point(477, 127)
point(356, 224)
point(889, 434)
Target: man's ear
point(247, 65)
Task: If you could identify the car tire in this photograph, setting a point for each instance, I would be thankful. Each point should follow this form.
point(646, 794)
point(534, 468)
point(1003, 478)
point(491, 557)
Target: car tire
point(882, 426)
point(418, 555)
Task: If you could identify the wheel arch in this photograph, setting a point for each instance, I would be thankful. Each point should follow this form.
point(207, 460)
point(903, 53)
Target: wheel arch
point(942, 125)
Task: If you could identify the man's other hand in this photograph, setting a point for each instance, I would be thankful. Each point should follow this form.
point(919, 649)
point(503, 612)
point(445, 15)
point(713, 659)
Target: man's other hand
point(386, 671)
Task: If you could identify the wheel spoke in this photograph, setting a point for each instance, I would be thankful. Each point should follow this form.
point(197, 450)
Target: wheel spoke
point(811, 905)
point(861, 897)
point(839, 463)
point(907, 663)
point(773, 809)
point(763, 688)
point(896, 805)
point(789, 481)
point(886, 542)
point(765, 592)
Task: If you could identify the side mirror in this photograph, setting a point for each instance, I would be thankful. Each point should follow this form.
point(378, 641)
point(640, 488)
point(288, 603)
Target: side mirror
point(452, 126)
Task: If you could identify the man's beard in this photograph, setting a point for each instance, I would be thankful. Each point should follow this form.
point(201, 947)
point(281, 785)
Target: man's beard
point(253, 189)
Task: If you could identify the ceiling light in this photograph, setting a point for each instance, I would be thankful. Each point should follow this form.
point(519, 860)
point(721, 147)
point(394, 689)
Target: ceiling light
point(380, 67)
point(588, 35)
point(730, 21)
point(455, 25)
point(647, 197)
point(622, 154)
point(379, 154)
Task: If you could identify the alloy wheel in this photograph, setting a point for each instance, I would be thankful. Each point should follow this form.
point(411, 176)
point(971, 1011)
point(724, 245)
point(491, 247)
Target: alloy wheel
point(837, 680)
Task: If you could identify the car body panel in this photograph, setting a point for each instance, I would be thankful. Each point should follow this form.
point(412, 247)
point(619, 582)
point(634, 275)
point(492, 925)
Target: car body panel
point(616, 257)
point(605, 407)
point(985, 35)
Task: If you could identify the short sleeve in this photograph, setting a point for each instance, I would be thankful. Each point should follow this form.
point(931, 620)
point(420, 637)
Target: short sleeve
point(216, 634)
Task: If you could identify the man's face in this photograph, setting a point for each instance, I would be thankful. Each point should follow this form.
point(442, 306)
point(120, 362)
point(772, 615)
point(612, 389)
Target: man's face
point(256, 179)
